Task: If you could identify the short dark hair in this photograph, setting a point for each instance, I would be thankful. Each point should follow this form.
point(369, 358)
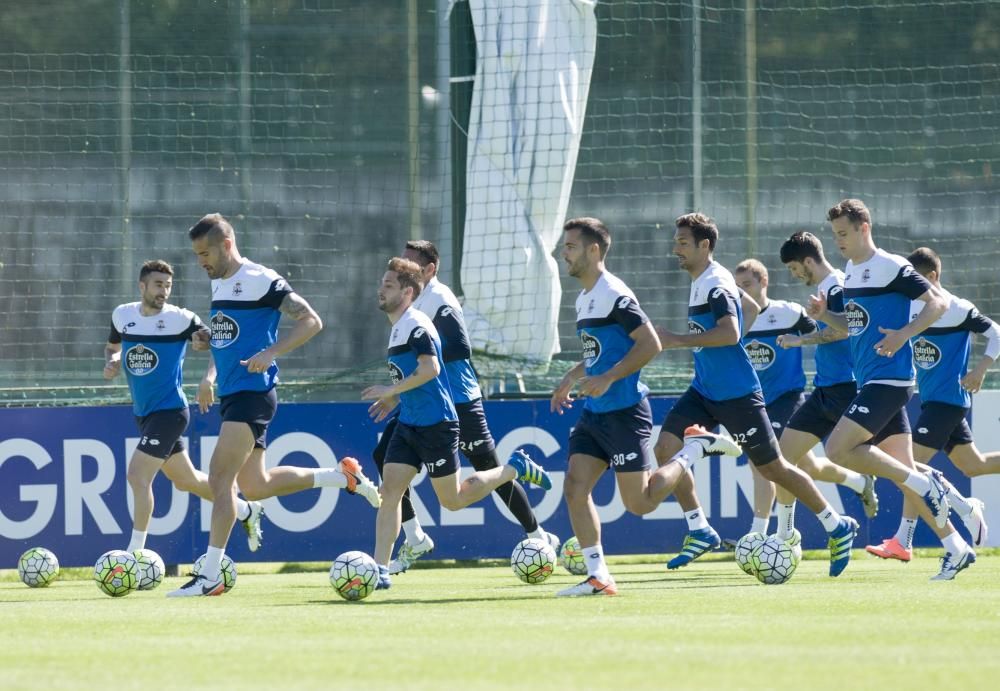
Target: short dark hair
point(753, 266)
point(925, 260)
point(155, 266)
point(853, 209)
point(216, 224)
point(408, 274)
point(701, 226)
point(801, 246)
point(592, 230)
point(426, 250)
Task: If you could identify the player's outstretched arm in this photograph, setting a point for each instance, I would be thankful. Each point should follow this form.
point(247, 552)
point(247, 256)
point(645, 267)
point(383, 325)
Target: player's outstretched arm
point(562, 397)
point(750, 311)
point(386, 397)
point(112, 360)
point(726, 332)
point(645, 347)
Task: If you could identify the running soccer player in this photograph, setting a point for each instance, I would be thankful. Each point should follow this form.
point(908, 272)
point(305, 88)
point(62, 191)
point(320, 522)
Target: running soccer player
point(247, 302)
point(427, 431)
point(615, 426)
point(726, 391)
point(475, 441)
point(878, 289)
point(941, 354)
point(150, 339)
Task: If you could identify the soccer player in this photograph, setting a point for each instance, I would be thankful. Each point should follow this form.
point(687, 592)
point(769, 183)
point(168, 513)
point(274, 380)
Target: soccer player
point(726, 391)
point(616, 424)
point(247, 302)
point(427, 431)
point(878, 289)
point(475, 441)
point(150, 339)
point(941, 354)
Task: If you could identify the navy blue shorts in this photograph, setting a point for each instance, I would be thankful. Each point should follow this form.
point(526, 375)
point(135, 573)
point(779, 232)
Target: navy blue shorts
point(823, 409)
point(474, 436)
point(433, 446)
point(254, 408)
point(942, 426)
point(161, 432)
point(881, 409)
point(620, 438)
point(781, 409)
point(745, 418)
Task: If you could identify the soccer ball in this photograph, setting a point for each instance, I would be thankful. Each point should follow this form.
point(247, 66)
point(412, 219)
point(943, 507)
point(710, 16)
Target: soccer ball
point(773, 561)
point(228, 570)
point(571, 557)
point(37, 567)
point(151, 568)
point(795, 542)
point(354, 575)
point(116, 573)
point(744, 549)
point(533, 560)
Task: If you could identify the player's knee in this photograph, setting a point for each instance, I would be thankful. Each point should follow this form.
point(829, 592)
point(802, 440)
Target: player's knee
point(574, 490)
point(637, 506)
point(136, 478)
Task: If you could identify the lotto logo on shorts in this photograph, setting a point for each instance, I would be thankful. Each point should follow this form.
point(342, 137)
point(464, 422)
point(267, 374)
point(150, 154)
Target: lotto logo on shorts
point(926, 355)
point(140, 360)
point(761, 355)
point(225, 330)
point(857, 318)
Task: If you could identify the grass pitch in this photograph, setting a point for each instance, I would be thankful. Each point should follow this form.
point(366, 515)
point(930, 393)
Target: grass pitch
point(880, 625)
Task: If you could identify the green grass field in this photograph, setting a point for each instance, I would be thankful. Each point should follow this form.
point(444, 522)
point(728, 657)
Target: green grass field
point(881, 625)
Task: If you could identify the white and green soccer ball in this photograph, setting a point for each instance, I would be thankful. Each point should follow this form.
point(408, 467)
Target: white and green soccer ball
point(151, 568)
point(795, 542)
point(116, 573)
point(571, 557)
point(533, 560)
point(37, 567)
point(744, 549)
point(354, 575)
point(228, 567)
point(773, 561)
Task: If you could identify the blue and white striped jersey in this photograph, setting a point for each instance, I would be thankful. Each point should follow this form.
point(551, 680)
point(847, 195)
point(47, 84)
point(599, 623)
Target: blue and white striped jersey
point(778, 369)
point(430, 403)
point(440, 304)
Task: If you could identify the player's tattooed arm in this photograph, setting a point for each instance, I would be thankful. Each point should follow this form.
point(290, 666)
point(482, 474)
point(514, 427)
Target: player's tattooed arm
point(818, 337)
point(307, 325)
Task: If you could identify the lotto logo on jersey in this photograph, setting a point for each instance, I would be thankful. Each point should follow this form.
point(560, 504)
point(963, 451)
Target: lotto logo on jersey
point(140, 360)
point(926, 355)
point(225, 330)
point(761, 354)
point(695, 328)
point(591, 348)
point(857, 318)
point(395, 374)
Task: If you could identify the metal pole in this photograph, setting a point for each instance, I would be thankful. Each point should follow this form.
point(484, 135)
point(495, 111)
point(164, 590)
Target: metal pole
point(413, 116)
point(125, 144)
point(462, 82)
point(442, 126)
point(750, 36)
point(696, 106)
point(246, 112)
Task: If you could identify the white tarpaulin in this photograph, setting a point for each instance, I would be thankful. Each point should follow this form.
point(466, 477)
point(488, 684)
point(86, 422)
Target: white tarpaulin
point(533, 71)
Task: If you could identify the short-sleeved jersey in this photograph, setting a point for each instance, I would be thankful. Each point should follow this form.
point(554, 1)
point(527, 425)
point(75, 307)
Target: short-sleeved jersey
point(834, 362)
point(245, 315)
point(440, 304)
point(430, 403)
point(877, 293)
point(941, 353)
point(605, 316)
point(778, 369)
point(153, 350)
point(724, 372)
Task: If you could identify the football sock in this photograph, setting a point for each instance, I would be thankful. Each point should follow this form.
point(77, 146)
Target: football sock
point(953, 543)
point(212, 567)
point(829, 518)
point(905, 533)
point(855, 481)
point(138, 541)
point(596, 567)
point(786, 520)
point(918, 482)
point(414, 533)
point(329, 477)
point(696, 519)
point(242, 509)
point(759, 525)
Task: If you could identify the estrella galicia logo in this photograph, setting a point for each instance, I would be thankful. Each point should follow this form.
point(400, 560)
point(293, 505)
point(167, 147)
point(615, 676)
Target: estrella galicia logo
point(926, 355)
point(591, 348)
point(695, 328)
point(761, 354)
point(225, 330)
point(395, 374)
point(140, 360)
point(857, 318)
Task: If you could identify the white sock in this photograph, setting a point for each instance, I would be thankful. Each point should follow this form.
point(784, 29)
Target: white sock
point(414, 533)
point(538, 534)
point(786, 520)
point(954, 543)
point(905, 533)
point(596, 567)
point(956, 501)
point(212, 567)
point(691, 452)
point(242, 509)
point(696, 519)
point(759, 524)
point(329, 477)
point(829, 518)
point(918, 482)
point(855, 481)
point(138, 541)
